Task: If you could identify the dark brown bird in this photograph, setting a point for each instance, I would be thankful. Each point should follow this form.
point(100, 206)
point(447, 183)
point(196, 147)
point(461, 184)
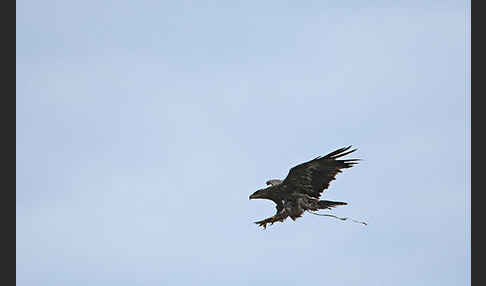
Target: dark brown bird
point(301, 189)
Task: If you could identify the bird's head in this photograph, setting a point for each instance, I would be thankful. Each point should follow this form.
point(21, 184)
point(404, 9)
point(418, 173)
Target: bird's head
point(260, 194)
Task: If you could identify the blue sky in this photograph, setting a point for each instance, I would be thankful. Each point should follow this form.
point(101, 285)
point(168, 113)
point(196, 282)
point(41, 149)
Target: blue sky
point(143, 127)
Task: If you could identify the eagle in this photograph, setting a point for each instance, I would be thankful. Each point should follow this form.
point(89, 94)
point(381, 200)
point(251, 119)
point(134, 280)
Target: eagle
point(301, 189)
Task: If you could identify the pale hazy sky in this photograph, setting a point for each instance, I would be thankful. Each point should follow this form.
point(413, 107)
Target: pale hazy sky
point(143, 127)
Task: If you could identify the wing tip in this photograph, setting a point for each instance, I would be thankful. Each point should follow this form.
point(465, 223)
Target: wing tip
point(340, 152)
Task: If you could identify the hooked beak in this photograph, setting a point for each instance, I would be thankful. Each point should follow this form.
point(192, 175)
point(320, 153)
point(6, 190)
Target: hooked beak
point(254, 196)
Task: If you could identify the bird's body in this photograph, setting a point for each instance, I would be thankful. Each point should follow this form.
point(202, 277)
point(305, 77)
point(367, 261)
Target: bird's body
point(301, 189)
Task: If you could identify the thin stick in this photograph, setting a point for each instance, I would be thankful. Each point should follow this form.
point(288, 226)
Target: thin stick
point(341, 218)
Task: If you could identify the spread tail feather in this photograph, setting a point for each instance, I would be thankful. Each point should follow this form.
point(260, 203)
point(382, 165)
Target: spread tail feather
point(330, 204)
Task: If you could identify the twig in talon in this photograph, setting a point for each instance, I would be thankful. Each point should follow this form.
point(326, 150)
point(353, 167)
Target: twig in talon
point(341, 218)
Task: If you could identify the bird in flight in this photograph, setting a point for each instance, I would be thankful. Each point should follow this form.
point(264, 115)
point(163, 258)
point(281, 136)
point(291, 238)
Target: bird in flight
point(301, 189)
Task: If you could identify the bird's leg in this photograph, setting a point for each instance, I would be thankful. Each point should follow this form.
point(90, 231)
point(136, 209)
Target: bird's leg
point(264, 222)
point(271, 220)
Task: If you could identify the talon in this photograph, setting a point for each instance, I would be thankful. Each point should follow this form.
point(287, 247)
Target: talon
point(270, 220)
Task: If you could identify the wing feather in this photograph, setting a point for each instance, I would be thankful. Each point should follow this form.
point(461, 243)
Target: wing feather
point(314, 176)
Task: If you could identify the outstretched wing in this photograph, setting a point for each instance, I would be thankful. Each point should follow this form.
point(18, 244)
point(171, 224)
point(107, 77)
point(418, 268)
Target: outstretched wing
point(314, 176)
